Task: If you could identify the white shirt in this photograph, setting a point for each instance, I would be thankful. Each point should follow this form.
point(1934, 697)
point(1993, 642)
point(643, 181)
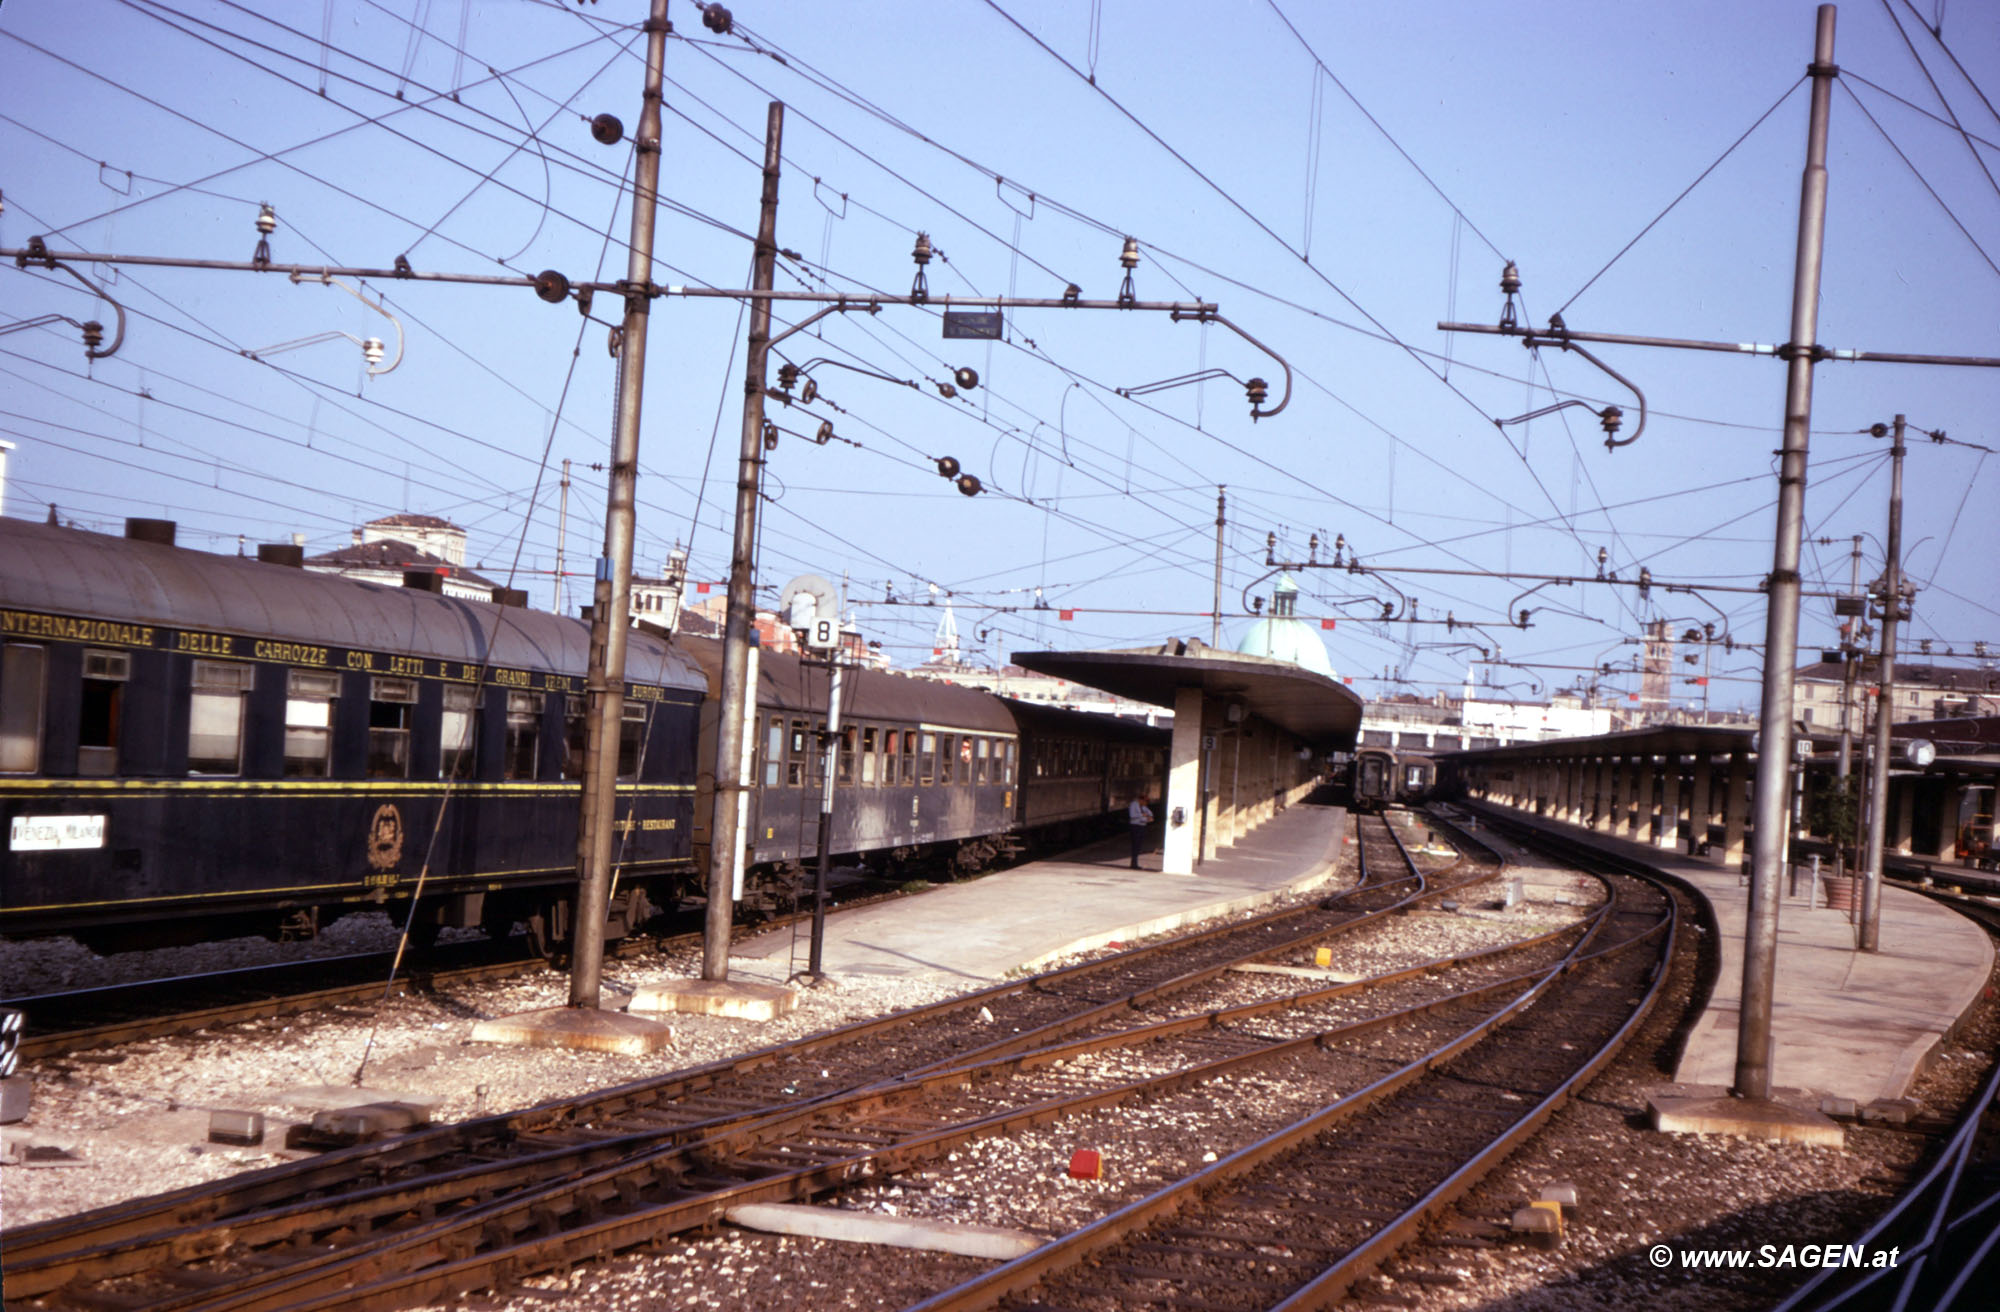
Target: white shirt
point(1138, 813)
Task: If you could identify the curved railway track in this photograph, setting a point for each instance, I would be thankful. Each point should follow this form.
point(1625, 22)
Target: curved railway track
point(1293, 1220)
point(406, 1181)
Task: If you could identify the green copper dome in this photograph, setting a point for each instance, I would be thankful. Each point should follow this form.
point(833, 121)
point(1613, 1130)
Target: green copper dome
point(1283, 636)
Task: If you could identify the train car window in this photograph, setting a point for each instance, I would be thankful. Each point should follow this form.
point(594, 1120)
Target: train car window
point(392, 705)
point(1008, 776)
point(847, 745)
point(104, 676)
point(23, 679)
point(309, 698)
point(868, 755)
point(524, 736)
point(947, 754)
point(216, 694)
point(909, 756)
point(979, 759)
point(632, 739)
point(795, 761)
point(774, 752)
point(458, 733)
point(576, 734)
point(891, 746)
point(927, 762)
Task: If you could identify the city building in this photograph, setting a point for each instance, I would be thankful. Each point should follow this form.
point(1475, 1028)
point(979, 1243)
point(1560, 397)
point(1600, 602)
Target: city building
point(1923, 691)
point(1448, 724)
point(385, 550)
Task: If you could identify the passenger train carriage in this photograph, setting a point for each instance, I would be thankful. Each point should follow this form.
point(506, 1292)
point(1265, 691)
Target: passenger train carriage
point(197, 746)
point(1080, 766)
point(926, 768)
point(1384, 777)
point(921, 763)
point(194, 746)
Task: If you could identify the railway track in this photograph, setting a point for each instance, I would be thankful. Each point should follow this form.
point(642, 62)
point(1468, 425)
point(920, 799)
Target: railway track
point(1295, 1219)
point(80, 1020)
point(403, 1182)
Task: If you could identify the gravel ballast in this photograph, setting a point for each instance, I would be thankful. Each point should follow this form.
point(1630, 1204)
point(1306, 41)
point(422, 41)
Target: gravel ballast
point(134, 1118)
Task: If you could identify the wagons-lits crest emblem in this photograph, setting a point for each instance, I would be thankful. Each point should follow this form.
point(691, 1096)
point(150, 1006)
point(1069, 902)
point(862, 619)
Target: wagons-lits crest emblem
point(385, 838)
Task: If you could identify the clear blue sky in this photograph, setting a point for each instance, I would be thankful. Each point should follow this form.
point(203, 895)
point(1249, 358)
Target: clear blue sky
point(1238, 151)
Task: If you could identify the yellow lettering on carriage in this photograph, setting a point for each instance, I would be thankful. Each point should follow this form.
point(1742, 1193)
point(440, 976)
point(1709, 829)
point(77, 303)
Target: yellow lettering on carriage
point(289, 653)
point(27, 624)
point(205, 644)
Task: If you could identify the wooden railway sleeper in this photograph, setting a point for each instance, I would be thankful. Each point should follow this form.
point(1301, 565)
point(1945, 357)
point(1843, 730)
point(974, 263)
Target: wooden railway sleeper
point(1208, 1254)
point(1196, 1278)
point(920, 1124)
point(479, 1143)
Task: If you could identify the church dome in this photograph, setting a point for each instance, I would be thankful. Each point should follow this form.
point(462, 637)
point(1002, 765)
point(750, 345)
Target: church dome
point(1283, 636)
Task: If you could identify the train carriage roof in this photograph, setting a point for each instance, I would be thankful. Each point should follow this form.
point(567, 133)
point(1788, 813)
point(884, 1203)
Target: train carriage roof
point(787, 683)
point(1052, 721)
point(97, 576)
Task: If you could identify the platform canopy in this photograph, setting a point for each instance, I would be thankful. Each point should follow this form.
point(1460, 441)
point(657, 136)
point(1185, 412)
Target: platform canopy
point(1658, 740)
point(1320, 711)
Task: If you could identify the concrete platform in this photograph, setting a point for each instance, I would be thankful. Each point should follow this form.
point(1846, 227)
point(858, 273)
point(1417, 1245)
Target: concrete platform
point(576, 1027)
point(1789, 1116)
point(734, 999)
point(1845, 1023)
point(988, 1241)
point(1015, 920)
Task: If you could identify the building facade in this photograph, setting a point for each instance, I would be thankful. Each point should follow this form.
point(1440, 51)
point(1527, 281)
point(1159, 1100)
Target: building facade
point(1923, 691)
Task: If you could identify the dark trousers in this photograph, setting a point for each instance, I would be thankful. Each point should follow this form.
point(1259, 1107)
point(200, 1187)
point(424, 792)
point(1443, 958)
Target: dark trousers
point(1138, 842)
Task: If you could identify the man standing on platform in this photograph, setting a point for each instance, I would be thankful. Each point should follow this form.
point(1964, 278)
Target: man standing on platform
point(1137, 816)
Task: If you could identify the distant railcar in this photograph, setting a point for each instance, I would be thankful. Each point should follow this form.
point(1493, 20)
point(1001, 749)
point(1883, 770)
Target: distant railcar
point(1386, 777)
point(926, 768)
point(1416, 776)
point(1374, 779)
point(922, 764)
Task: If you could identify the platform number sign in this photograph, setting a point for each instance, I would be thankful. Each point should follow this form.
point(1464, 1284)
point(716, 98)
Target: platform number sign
point(821, 636)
